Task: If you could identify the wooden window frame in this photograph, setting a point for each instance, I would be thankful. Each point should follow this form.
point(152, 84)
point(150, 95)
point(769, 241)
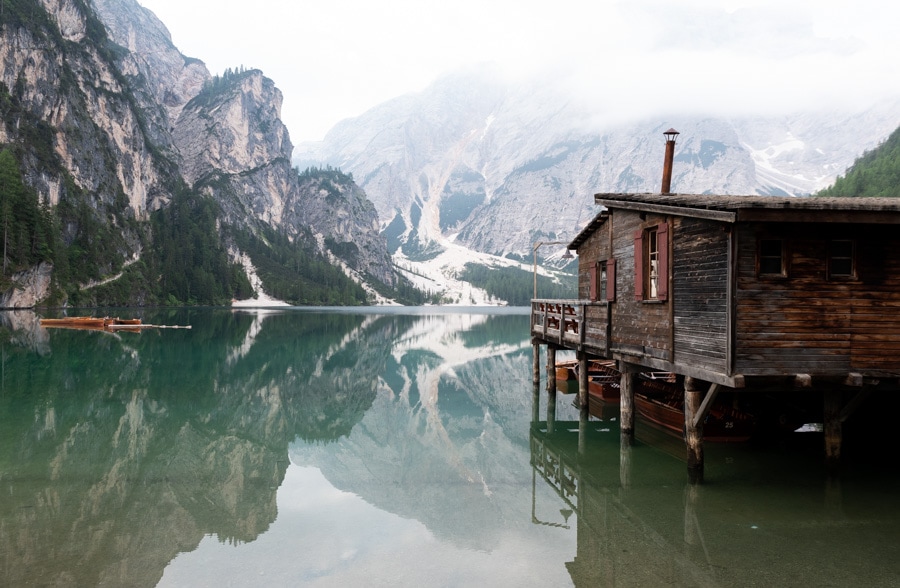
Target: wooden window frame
point(836, 256)
point(651, 244)
point(611, 280)
point(762, 256)
point(603, 281)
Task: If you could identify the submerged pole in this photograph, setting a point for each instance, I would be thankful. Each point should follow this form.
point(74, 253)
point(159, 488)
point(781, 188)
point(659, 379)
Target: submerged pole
point(627, 384)
point(833, 430)
point(551, 369)
point(551, 411)
point(693, 433)
point(582, 381)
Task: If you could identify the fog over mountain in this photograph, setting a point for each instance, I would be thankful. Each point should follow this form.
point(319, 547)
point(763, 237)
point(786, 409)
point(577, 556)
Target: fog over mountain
point(491, 165)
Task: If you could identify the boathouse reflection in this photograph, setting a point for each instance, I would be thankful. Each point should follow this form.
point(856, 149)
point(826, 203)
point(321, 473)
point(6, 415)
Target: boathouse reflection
point(768, 520)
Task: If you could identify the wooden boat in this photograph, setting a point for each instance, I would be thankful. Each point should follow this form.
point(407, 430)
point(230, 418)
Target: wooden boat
point(662, 403)
point(659, 400)
point(603, 382)
point(603, 379)
point(92, 323)
point(567, 370)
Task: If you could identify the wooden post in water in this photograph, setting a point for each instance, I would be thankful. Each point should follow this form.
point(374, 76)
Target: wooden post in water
point(536, 383)
point(693, 434)
point(693, 535)
point(582, 381)
point(627, 384)
point(551, 369)
point(551, 410)
point(833, 430)
point(625, 466)
point(582, 430)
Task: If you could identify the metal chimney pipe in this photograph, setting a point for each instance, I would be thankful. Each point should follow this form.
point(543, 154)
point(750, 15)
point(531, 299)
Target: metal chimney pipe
point(667, 164)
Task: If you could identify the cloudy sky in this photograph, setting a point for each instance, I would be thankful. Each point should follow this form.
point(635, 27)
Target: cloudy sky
point(334, 59)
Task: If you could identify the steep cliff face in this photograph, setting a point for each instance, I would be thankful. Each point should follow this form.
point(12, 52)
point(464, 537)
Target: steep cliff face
point(233, 146)
point(109, 122)
point(71, 115)
point(346, 221)
point(231, 137)
point(236, 149)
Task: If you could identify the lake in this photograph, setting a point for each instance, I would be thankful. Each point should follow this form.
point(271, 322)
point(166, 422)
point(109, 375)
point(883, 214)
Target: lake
point(388, 447)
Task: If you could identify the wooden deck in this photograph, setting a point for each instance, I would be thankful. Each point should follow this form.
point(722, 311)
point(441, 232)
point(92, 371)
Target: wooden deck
point(582, 325)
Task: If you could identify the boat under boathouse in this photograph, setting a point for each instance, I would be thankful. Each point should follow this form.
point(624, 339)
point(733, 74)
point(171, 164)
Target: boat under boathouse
point(745, 294)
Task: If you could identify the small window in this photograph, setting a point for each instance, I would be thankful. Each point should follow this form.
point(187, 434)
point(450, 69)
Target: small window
point(651, 259)
point(841, 258)
point(652, 263)
point(602, 281)
point(771, 257)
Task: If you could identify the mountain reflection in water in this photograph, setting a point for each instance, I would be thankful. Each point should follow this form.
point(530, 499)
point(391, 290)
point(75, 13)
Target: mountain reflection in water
point(379, 446)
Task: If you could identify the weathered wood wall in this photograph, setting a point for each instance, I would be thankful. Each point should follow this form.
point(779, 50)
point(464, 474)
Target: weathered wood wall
point(594, 249)
point(807, 323)
point(638, 327)
point(700, 293)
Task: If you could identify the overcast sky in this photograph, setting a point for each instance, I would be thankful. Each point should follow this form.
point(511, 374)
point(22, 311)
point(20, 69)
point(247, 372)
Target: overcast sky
point(334, 59)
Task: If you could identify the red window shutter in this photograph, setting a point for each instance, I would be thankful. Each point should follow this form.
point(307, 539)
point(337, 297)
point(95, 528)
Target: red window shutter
point(611, 280)
point(593, 282)
point(639, 265)
point(662, 240)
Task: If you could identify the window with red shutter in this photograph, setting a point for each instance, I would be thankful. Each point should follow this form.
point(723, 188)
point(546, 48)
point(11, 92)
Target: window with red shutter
point(639, 265)
point(651, 263)
point(611, 280)
point(662, 243)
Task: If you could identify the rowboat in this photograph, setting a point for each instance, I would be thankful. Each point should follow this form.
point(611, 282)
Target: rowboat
point(92, 323)
point(659, 400)
point(567, 370)
point(603, 379)
point(661, 403)
point(603, 382)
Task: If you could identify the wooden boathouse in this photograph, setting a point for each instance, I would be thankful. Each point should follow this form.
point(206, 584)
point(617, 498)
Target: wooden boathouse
point(737, 293)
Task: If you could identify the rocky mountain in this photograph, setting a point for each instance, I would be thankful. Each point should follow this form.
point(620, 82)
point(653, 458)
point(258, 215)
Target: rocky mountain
point(493, 166)
point(110, 124)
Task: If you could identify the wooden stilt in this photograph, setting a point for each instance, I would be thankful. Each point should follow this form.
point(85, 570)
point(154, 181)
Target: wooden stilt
point(551, 388)
point(625, 466)
point(551, 410)
point(691, 525)
point(833, 430)
point(536, 383)
point(693, 429)
point(627, 384)
point(583, 418)
point(582, 381)
point(551, 369)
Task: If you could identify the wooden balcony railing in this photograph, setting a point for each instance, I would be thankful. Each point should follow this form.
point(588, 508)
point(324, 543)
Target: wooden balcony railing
point(572, 324)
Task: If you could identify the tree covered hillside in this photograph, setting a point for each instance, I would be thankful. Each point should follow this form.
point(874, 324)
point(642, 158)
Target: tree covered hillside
point(876, 173)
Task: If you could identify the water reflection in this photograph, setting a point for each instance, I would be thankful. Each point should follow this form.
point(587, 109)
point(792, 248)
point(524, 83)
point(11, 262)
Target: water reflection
point(347, 448)
point(120, 451)
point(766, 518)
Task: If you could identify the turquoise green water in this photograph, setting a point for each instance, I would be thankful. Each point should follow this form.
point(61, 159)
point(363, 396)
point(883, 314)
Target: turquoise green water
point(336, 448)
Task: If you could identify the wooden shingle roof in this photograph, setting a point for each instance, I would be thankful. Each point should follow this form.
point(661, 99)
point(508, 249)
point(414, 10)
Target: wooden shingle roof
point(731, 209)
point(760, 208)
